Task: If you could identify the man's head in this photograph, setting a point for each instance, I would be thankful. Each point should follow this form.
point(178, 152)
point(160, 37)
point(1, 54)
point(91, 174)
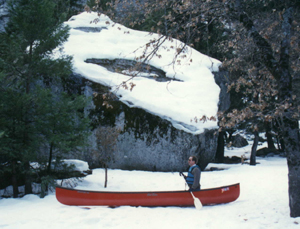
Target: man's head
point(192, 160)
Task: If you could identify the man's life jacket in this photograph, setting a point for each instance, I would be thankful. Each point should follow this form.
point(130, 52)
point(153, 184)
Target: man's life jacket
point(190, 176)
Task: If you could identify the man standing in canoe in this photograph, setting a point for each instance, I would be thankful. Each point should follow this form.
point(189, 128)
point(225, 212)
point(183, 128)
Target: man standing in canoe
point(194, 174)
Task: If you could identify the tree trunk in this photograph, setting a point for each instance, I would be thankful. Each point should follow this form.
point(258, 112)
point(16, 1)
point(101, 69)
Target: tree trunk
point(28, 184)
point(294, 186)
point(105, 183)
point(269, 136)
point(292, 146)
point(14, 180)
point(220, 148)
point(230, 132)
point(253, 150)
point(50, 158)
point(293, 159)
point(282, 145)
point(291, 137)
point(290, 126)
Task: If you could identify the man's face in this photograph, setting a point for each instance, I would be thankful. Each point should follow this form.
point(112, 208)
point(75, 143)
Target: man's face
point(191, 162)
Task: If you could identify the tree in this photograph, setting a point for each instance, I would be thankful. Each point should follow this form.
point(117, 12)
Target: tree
point(278, 66)
point(261, 48)
point(106, 140)
point(63, 123)
point(37, 113)
point(12, 122)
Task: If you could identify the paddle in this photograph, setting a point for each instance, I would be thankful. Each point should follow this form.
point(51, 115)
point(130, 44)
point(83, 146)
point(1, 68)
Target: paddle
point(197, 202)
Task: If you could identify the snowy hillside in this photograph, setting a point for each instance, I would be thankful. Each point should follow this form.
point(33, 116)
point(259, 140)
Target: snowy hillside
point(190, 92)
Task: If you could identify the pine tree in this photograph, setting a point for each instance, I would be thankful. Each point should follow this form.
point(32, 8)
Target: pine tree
point(37, 114)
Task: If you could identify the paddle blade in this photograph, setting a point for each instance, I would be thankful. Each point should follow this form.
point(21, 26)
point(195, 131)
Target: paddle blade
point(197, 203)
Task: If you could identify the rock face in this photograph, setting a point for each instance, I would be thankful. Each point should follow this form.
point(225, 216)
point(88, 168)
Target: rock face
point(224, 97)
point(146, 141)
point(3, 14)
point(163, 150)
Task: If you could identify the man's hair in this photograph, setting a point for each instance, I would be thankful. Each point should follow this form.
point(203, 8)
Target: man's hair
point(195, 159)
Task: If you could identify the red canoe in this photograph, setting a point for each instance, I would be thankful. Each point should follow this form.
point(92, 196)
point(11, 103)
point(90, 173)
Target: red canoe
point(212, 196)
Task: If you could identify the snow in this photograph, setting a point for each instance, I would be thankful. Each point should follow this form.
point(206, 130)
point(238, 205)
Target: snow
point(81, 166)
point(263, 202)
point(194, 93)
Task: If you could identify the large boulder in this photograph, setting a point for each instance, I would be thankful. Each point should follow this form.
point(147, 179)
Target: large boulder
point(239, 141)
point(146, 142)
point(263, 152)
point(158, 102)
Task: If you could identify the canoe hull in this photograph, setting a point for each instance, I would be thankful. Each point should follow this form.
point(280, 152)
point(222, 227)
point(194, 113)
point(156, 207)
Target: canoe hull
point(224, 194)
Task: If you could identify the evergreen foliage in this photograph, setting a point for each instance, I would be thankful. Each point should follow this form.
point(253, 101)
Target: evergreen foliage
point(39, 122)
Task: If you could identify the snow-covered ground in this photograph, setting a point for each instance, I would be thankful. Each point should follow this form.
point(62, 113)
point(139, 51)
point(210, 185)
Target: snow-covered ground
point(263, 202)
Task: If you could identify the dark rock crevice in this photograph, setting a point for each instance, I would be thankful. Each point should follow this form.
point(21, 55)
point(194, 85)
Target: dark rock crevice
point(131, 68)
point(90, 29)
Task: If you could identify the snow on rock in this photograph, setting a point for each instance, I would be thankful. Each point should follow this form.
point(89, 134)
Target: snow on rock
point(79, 164)
point(190, 92)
